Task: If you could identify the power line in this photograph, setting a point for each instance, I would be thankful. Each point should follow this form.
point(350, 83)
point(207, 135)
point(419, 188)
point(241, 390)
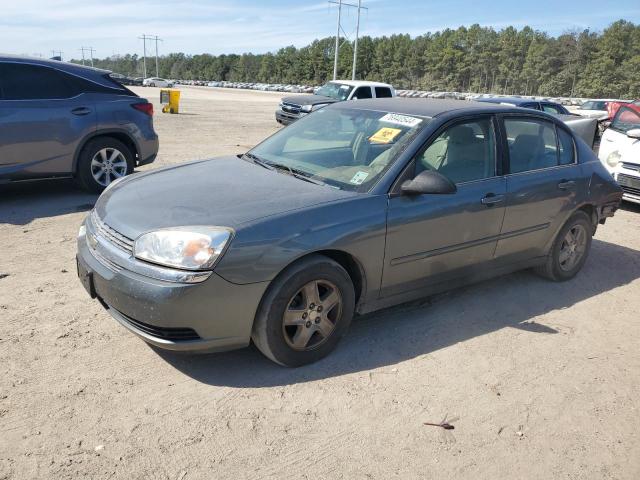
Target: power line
point(144, 39)
point(59, 52)
point(359, 7)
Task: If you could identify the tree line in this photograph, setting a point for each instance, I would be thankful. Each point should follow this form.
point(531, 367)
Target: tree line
point(468, 59)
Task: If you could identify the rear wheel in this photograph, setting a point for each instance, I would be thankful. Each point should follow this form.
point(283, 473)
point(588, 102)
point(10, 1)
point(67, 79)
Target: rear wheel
point(102, 161)
point(570, 249)
point(305, 312)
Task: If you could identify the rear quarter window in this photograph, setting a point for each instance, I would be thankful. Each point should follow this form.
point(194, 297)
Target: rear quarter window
point(383, 92)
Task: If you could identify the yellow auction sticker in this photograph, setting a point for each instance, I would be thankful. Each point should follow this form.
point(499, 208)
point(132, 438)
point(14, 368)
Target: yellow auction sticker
point(385, 135)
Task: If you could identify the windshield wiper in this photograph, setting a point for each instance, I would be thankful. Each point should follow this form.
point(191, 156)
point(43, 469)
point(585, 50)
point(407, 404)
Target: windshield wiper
point(258, 161)
point(294, 172)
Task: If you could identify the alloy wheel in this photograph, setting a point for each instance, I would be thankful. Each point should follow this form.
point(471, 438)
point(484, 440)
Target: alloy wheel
point(107, 165)
point(311, 315)
point(573, 247)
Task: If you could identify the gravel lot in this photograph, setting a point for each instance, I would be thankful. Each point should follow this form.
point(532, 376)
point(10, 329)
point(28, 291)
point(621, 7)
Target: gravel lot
point(545, 378)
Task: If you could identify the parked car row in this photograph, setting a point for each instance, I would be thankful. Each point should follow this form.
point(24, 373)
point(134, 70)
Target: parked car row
point(249, 85)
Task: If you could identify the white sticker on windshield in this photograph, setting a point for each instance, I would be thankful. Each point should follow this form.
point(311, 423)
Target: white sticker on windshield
point(359, 177)
point(404, 120)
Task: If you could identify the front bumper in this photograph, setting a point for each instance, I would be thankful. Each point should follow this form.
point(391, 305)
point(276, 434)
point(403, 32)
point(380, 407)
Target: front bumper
point(628, 177)
point(286, 118)
point(213, 315)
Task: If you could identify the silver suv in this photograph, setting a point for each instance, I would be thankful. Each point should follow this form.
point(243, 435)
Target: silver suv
point(64, 120)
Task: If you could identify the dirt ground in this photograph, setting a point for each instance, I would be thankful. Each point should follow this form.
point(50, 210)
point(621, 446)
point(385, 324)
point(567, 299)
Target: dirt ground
point(543, 378)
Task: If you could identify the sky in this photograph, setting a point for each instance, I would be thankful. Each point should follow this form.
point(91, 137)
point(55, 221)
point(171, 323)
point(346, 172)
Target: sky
point(36, 27)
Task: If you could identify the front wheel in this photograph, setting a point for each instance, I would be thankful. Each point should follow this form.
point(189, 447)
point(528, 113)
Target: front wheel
point(102, 161)
point(570, 249)
point(305, 312)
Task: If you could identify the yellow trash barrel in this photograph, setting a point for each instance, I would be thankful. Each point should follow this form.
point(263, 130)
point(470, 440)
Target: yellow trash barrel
point(170, 100)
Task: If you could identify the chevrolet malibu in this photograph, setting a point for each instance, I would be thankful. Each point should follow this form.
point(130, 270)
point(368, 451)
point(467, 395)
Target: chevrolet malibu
point(358, 206)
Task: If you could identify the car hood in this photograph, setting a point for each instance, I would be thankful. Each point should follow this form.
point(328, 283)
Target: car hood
point(224, 191)
point(308, 99)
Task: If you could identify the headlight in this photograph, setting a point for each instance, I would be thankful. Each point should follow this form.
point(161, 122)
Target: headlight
point(312, 108)
point(613, 159)
point(191, 248)
point(82, 231)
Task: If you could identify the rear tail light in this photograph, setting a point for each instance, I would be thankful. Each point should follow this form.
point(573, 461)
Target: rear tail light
point(144, 108)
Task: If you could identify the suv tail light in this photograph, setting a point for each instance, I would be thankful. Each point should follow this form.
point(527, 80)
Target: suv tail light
point(144, 107)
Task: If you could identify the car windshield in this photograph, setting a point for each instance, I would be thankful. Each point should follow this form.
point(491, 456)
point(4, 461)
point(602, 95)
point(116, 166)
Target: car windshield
point(345, 148)
point(339, 91)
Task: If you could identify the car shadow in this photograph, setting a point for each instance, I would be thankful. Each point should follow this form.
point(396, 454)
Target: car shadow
point(630, 207)
point(416, 329)
point(22, 202)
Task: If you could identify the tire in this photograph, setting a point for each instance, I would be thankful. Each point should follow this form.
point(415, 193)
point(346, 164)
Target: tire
point(285, 329)
point(557, 266)
point(117, 166)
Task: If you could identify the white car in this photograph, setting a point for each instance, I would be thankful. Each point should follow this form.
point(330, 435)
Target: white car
point(157, 82)
point(620, 152)
point(593, 109)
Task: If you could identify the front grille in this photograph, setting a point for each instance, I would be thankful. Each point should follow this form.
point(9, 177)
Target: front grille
point(631, 166)
point(629, 184)
point(173, 334)
point(108, 233)
point(290, 108)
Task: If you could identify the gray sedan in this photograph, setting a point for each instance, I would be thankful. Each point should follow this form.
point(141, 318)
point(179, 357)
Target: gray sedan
point(356, 207)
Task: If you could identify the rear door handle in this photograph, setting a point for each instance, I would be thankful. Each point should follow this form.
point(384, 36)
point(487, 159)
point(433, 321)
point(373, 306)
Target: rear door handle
point(81, 111)
point(566, 184)
point(491, 199)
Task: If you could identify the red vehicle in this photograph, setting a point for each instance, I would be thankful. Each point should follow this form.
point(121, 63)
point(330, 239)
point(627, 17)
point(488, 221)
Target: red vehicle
point(612, 107)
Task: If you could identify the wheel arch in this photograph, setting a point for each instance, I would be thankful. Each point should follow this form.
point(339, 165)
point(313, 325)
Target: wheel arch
point(353, 267)
point(120, 135)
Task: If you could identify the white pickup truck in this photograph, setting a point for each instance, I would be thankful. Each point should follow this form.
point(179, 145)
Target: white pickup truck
point(294, 107)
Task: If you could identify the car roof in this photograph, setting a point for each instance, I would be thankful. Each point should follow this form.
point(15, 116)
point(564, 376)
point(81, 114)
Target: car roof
point(512, 100)
point(426, 107)
point(357, 83)
point(92, 74)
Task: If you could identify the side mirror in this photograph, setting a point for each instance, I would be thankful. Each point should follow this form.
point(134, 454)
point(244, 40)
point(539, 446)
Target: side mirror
point(428, 181)
point(634, 133)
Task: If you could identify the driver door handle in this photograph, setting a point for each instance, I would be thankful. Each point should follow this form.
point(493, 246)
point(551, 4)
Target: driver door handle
point(566, 184)
point(81, 111)
point(491, 199)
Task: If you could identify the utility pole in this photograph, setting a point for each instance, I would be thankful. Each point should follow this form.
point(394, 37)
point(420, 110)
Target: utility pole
point(340, 4)
point(144, 54)
point(88, 49)
point(355, 45)
point(59, 52)
point(335, 58)
point(157, 39)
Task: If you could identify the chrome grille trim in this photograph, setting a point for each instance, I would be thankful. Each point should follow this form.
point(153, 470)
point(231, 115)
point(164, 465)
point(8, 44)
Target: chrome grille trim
point(111, 235)
point(114, 267)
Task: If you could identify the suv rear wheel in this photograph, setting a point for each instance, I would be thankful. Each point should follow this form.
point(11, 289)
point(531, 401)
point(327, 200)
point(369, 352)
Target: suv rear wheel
point(103, 160)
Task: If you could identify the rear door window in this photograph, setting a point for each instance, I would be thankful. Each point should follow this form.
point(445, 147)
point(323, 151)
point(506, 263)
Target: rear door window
point(532, 144)
point(362, 92)
point(383, 92)
point(34, 82)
